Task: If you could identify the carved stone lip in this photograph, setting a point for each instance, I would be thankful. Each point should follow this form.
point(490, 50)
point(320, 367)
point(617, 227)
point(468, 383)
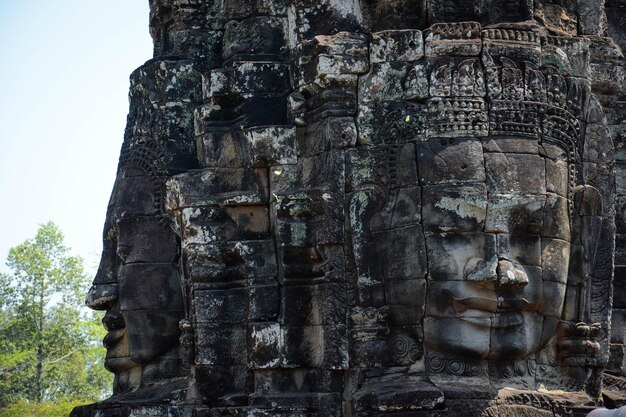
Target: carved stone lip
point(119, 364)
point(512, 304)
point(474, 303)
point(498, 320)
point(508, 319)
point(492, 305)
point(112, 337)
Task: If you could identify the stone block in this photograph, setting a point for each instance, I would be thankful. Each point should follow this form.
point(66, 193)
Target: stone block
point(264, 302)
point(145, 239)
point(329, 133)
point(517, 214)
point(405, 315)
point(452, 39)
point(514, 410)
point(257, 35)
point(370, 291)
point(217, 186)
point(237, 305)
point(556, 222)
point(227, 261)
point(303, 222)
point(264, 345)
point(248, 78)
point(369, 348)
point(617, 359)
point(553, 377)
point(620, 249)
point(555, 255)
point(205, 225)
point(393, 81)
point(257, 147)
point(298, 381)
point(397, 45)
point(310, 18)
point(515, 42)
point(606, 68)
point(167, 81)
point(406, 292)
point(613, 391)
point(391, 122)
point(457, 78)
point(396, 15)
point(454, 208)
point(470, 256)
point(221, 344)
point(221, 306)
point(320, 174)
point(138, 195)
point(553, 298)
point(400, 253)
point(295, 405)
point(395, 254)
point(162, 335)
point(324, 347)
point(150, 286)
point(239, 9)
point(202, 46)
point(410, 396)
point(332, 55)
point(618, 326)
point(402, 207)
point(557, 177)
point(508, 11)
point(305, 265)
point(620, 177)
point(510, 145)
point(222, 383)
point(527, 250)
point(515, 173)
point(463, 407)
point(450, 160)
point(314, 305)
point(391, 166)
point(619, 287)
point(451, 334)
point(457, 117)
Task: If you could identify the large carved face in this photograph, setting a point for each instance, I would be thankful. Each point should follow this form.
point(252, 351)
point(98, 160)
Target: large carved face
point(498, 241)
point(138, 284)
point(462, 187)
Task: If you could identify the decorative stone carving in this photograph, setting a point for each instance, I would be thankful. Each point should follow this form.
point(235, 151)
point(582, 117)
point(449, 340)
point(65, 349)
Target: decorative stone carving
point(369, 208)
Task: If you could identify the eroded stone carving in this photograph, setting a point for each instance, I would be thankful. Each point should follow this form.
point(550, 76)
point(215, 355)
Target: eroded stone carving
point(376, 208)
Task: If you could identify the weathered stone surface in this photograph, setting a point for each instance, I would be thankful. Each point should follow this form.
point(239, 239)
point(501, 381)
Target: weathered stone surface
point(373, 208)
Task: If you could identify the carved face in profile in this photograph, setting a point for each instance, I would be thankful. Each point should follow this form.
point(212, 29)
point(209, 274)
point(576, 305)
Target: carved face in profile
point(498, 241)
point(138, 284)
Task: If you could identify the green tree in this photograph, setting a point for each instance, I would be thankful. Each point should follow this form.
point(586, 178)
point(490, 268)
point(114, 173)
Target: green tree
point(50, 349)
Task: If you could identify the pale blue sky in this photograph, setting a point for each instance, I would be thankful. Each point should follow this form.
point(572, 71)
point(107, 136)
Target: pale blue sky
point(64, 68)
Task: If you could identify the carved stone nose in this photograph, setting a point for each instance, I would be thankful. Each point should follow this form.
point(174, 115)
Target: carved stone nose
point(509, 275)
point(101, 296)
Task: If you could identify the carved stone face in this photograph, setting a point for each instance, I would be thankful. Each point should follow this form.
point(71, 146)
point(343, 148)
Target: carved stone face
point(498, 251)
point(138, 284)
point(494, 127)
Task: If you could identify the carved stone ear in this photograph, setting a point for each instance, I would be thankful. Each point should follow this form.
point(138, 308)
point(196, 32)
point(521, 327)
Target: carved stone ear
point(586, 228)
point(588, 210)
point(587, 201)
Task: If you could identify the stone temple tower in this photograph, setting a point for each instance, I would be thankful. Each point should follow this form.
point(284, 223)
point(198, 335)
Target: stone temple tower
point(370, 208)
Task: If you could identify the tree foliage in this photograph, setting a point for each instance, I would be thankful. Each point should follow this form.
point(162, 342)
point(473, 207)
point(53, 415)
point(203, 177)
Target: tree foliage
point(50, 349)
